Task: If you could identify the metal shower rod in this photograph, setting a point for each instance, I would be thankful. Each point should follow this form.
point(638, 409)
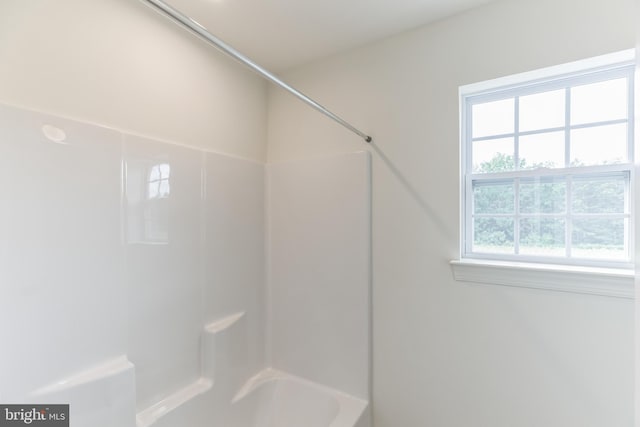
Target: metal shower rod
point(190, 24)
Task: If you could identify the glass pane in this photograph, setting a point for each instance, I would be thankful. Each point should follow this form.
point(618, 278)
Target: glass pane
point(599, 195)
point(598, 102)
point(493, 118)
point(542, 110)
point(601, 238)
point(492, 198)
point(493, 155)
point(493, 235)
point(544, 150)
point(543, 196)
point(600, 145)
point(542, 236)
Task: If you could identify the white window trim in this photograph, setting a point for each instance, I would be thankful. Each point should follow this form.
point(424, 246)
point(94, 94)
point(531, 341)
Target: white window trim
point(611, 282)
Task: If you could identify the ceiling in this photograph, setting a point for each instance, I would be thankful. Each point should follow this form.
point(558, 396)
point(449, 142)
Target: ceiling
point(280, 34)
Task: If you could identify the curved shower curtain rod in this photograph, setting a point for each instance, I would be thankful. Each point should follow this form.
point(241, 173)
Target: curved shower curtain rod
point(190, 24)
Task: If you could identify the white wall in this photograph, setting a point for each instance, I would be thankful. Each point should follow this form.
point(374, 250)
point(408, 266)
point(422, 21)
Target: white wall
point(120, 64)
point(448, 353)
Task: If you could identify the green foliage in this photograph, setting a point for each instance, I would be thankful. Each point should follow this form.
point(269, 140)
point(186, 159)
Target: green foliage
point(493, 232)
point(542, 232)
point(499, 163)
point(493, 198)
point(547, 196)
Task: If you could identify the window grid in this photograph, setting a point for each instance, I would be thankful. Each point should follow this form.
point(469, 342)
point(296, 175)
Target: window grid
point(563, 174)
point(569, 216)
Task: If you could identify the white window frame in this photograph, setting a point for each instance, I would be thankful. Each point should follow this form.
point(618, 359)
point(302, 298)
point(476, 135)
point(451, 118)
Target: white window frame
point(613, 278)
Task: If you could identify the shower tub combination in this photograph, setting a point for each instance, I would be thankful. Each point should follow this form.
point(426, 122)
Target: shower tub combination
point(161, 225)
point(270, 398)
point(268, 333)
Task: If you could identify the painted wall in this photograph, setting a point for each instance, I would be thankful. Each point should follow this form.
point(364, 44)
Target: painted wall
point(120, 64)
point(448, 353)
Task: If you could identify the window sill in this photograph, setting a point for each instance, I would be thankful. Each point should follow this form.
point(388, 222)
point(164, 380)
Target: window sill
point(583, 280)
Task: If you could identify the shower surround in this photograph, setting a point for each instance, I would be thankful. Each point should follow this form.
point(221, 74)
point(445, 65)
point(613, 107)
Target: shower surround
point(149, 283)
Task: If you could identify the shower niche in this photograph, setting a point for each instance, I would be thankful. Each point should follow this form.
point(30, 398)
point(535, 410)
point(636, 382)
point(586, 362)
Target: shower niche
point(152, 284)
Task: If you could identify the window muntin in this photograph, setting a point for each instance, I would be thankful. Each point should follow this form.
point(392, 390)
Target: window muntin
point(547, 170)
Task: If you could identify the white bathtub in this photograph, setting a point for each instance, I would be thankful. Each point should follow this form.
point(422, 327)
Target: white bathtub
point(277, 399)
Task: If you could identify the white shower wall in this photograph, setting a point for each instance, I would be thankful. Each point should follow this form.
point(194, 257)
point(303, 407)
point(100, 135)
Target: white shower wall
point(192, 256)
point(134, 274)
point(113, 245)
point(61, 267)
point(319, 269)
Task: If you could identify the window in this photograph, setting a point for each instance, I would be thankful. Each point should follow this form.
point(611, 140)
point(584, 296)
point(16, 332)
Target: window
point(547, 169)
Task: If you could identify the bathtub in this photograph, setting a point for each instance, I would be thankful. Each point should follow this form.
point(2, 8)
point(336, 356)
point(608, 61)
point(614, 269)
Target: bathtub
point(277, 399)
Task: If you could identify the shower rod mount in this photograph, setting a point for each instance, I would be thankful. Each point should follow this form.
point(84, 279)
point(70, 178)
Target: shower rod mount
point(202, 32)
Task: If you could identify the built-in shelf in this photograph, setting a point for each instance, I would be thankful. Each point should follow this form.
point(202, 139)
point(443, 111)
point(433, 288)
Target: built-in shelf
point(110, 384)
point(101, 372)
point(156, 411)
point(153, 413)
point(222, 324)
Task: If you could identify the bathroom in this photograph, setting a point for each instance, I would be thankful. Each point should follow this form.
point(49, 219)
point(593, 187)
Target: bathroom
point(270, 231)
